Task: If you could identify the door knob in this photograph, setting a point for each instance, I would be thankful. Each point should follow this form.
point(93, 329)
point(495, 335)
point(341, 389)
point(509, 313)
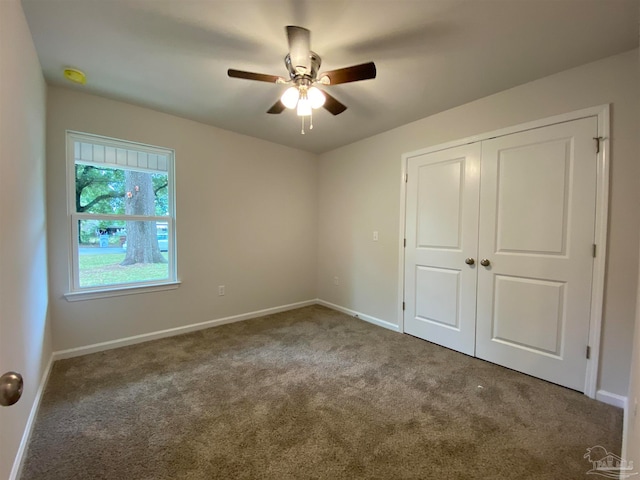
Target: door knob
point(469, 261)
point(11, 384)
point(485, 262)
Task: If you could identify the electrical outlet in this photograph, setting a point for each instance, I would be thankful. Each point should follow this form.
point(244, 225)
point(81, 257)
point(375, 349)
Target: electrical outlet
point(220, 290)
point(336, 280)
point(375, 235)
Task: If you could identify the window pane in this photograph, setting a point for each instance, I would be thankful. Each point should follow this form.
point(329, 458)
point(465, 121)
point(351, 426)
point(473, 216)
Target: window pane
point(120, 191)
point(119, 252)
point(116, 181)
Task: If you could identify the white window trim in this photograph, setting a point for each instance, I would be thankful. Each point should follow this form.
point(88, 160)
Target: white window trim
point(119, 290)
point(77, 293)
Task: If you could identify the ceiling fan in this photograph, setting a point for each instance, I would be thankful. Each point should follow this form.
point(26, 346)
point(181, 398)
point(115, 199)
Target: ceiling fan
point(303, 66)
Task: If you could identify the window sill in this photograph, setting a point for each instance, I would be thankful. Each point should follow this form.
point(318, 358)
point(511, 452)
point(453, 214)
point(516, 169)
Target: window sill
point(119, 291)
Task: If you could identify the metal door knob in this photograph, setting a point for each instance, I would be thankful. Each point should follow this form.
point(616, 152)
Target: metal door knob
point(469, 261)
point(11, 384)
point(485, 262)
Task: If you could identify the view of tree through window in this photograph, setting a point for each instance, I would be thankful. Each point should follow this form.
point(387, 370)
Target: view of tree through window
point(122, 210)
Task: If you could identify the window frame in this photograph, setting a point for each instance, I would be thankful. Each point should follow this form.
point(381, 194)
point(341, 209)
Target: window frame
point(76, 292)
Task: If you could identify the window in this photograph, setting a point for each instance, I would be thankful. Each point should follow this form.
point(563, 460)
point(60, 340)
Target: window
point(122, 214)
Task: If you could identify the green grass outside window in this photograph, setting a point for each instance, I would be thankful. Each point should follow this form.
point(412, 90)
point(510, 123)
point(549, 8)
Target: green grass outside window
point(105, 269)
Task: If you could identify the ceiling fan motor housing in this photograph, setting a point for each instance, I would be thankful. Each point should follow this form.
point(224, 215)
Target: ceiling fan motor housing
point(315, 61)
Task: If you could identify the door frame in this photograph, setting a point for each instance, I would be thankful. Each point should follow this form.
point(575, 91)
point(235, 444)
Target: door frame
point(602, 113)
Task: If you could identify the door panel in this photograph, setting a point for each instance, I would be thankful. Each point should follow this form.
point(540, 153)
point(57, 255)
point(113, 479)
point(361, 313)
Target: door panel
point(539, 307)
point(537, 217)
point(441, 231)
point(523, 174)
point(438, 295)
point(439, 190)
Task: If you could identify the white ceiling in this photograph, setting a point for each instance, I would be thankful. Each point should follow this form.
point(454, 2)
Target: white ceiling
point(431, 55)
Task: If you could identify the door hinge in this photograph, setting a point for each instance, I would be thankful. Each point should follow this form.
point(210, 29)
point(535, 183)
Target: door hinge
point(595, 247)
point(403, 306)
point(405, 242)
point(598, 140)
point(588, 352)
point(406, 177)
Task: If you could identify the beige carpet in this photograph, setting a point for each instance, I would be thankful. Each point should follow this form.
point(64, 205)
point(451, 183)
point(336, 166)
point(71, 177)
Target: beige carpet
point(310, 393)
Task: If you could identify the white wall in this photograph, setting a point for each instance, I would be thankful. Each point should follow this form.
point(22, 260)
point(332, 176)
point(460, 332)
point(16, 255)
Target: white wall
point(632, 419)
point(359, 192)
point(25, 344)
point(246, 219)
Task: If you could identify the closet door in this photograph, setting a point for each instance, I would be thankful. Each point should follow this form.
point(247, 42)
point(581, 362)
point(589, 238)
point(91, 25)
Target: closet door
point(536, 235)
point(441, 233)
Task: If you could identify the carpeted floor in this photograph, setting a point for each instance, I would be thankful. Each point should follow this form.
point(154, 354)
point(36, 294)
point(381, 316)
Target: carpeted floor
point(308, 394)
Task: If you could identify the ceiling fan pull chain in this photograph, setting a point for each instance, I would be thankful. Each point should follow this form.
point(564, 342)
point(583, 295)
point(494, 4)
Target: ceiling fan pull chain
point(302, 132)
point(311, 120)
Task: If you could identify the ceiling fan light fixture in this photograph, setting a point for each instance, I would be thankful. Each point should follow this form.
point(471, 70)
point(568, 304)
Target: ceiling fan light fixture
point(316, 97)
point(304, 107)
point(290, 97)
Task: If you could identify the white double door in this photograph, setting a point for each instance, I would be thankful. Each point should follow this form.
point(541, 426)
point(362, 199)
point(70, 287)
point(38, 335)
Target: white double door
point(499, 252)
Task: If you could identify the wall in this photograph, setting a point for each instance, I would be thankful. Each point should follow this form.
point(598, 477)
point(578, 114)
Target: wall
point(359, 192)
point(25, 344)
point(246, 219)
point(632, 420)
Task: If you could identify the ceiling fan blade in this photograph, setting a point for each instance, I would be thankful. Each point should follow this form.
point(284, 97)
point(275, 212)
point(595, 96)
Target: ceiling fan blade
point(277, 107)
point(364, 71)
point(299, 47)
point(332, 105)
point(261, 77)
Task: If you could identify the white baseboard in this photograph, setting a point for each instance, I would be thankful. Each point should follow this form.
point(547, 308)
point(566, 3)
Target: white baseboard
point(361, 316)
point(19, 459)
point(612, 399)
point(146, 337)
